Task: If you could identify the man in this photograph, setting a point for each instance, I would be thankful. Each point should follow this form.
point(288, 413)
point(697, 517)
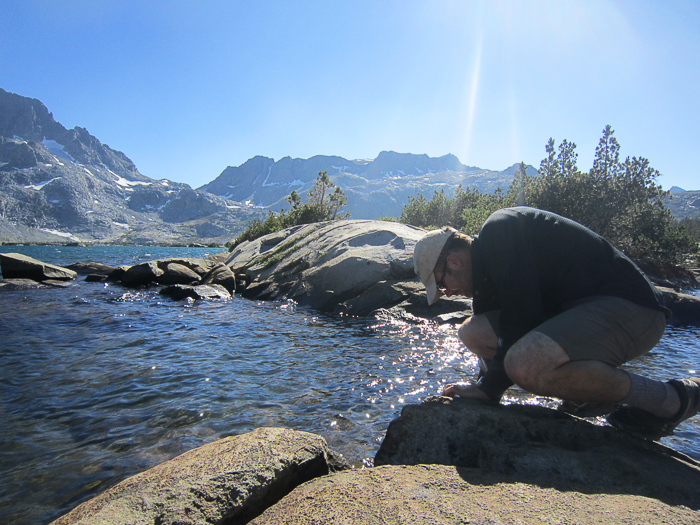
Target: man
point(557, 309)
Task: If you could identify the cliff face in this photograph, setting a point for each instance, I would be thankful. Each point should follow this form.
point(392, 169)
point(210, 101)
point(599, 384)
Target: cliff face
point(29, 121)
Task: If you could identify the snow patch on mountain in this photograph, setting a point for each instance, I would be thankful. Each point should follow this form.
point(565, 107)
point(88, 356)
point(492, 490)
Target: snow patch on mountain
point(265, 184)
point(57, 150)
point(37, 187)
point(127, 183)
point(61, 234)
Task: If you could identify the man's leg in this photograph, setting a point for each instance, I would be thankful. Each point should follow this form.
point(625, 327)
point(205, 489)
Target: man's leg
point(478, 336)
point(537, 362)
point(540, 365)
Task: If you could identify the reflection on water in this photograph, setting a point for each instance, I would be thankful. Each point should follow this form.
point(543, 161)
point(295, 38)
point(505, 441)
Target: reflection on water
point(98, 383)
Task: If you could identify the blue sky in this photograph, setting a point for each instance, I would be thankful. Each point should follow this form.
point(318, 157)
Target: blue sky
point(187, 88)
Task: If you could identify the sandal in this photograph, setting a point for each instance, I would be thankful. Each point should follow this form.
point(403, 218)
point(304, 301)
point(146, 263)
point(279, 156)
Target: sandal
point(645, 425)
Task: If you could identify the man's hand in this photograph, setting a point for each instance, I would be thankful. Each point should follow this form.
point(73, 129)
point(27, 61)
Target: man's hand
point(465, 390)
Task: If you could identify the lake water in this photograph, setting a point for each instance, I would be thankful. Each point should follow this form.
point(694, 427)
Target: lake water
point(98, 382)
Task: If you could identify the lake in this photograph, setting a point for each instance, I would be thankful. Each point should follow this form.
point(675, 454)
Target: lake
point(99, 382)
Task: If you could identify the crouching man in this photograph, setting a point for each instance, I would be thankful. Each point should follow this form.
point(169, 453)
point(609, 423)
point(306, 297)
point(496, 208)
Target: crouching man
point(557, 309)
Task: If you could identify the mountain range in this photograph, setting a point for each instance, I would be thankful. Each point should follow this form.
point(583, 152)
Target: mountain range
point(61, 185)
point(374, 187)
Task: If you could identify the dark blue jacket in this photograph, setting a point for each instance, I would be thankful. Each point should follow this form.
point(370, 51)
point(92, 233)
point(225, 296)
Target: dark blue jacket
point(527, 263)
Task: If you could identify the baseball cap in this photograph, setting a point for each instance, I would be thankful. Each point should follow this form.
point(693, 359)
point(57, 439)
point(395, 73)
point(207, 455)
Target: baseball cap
point(425, 257)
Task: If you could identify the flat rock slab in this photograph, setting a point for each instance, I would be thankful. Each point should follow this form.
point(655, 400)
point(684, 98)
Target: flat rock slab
point(446, 495)
point(228, 481)
point(323, 265)
point(18, 266)
point(27, 284)
point(539, 446)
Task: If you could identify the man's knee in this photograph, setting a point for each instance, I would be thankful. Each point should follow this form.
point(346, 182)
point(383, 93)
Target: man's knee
point(519, 370)
point(478, 336)
point(530, 362)
point(466, 333)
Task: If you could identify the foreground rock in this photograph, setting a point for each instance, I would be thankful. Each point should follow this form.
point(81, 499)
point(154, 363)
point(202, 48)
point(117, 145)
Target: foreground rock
point(444, 461)
point(229, 481)
point(449, 495)
point(18, 266)
point(538, 446)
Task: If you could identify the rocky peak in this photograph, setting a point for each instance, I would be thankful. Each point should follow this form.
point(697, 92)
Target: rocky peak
point(402, 164)
point(58, 184)
point(26, 117)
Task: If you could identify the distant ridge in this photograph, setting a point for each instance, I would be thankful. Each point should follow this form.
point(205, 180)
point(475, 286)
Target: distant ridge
point(684, 204)
point(374, 187)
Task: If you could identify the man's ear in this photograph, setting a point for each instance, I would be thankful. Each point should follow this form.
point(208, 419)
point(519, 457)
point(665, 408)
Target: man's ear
point(455, 261)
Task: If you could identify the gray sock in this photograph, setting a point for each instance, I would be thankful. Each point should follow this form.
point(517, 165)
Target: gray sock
point(657, 397)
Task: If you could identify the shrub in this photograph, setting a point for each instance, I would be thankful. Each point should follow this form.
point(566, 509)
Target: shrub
point(322, 205)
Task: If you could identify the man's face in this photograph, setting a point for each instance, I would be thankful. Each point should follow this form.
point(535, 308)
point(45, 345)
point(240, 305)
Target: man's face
point(454, 276)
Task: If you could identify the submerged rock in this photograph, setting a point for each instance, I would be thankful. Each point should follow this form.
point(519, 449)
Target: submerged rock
point(228, 481)
point(28, 284)
point(18, 266)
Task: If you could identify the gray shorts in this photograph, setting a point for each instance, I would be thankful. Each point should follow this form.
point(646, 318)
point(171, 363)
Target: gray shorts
point(608, 329)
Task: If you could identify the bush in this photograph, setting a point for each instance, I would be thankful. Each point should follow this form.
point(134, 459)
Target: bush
point(322, 205)
point(466, 211)
point(619, 200)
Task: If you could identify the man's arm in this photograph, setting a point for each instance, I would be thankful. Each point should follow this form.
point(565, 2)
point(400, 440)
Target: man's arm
point(510, 263)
